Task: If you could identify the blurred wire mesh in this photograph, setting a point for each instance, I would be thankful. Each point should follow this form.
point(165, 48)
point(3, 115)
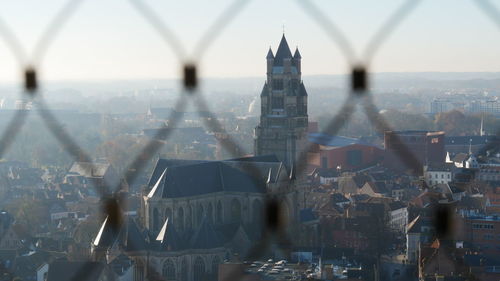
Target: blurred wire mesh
point(274, 226)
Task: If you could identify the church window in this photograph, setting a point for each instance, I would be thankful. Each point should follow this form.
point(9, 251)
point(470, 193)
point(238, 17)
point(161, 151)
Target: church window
point(218, 213)
point(215, 267)
point(257, 212)
point(199, 269)
point(168, 214)
point(199, 214)
point(156, 220)
point(169, 270)
point(139, 271)
point(295, 84)
point(277, 103)
point(180, 218)
point(189, 217)
point(277, 84)
point(235, 210)
point(184, 270)
point(210, 214)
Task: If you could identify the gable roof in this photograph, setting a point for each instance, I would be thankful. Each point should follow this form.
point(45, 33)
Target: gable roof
point(175, 178)
point(205, 237)
point(205, 178)
point(168, 238)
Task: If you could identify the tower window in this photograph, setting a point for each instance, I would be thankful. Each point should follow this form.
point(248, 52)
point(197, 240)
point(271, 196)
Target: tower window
point(277, 84)
point(277, 102)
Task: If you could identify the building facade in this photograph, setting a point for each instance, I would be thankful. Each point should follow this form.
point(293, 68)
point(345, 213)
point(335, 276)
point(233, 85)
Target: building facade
point(283, 121)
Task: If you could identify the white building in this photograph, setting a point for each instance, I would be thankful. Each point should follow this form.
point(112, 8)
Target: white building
point(438, 174)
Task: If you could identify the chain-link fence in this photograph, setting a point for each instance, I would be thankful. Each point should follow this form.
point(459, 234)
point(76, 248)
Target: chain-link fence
point(274, 225)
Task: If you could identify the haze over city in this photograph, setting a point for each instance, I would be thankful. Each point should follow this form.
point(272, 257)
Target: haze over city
point(259, 148)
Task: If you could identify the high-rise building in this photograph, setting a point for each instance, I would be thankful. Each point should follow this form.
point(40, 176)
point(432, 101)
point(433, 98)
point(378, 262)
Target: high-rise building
point(283, 118)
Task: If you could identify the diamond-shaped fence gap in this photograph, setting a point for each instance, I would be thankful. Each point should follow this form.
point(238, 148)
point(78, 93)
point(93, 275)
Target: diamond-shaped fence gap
point(492, 11)
point(78, 152)
point(157, 140)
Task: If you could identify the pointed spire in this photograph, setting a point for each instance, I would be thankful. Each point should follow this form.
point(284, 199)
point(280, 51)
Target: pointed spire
point(297, 53)
point(168, 237)
point(292, 173)
point(269, 176)
point(270, 54)
point(283, 52)
point(155, 187)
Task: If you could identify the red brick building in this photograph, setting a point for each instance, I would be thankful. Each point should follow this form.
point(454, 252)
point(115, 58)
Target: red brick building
point(346, 154)
point(483, 232)
point(402, 148)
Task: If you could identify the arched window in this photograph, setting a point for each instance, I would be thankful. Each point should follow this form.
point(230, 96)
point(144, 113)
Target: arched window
point(139, 271)
point(168, 270)
point(180, 218)
point(218, 213)
point(199, 213)
point(257, 212)
point(210, 213)
point(184, 270)
point(168, 214)
point(285, 212)
point(215, 267)
point(156, 220)
point(199, 269)
point(235, 210)
point(189, 217)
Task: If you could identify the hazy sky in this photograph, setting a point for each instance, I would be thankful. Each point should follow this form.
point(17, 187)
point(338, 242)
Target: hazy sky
point(108, 39)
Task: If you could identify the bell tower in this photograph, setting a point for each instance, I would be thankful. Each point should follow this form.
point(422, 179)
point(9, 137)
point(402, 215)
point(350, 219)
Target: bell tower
point(283, 118)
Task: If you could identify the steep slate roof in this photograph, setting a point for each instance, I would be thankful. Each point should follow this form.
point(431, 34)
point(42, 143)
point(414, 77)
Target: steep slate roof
point(283, 52)
point(297, 54)
point(163, 163)
point(205, 237)
point(270, 54)
point(240, 175)
point(106, 235)
point(127, 237)
point(130, 238)
point(265, 91)
point(302, 91)
point(460, 157)
point(168, 239)
point(204, 178)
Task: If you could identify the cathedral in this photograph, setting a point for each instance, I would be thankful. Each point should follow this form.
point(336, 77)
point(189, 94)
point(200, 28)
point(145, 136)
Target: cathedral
point(283, 118)
point(197, 213)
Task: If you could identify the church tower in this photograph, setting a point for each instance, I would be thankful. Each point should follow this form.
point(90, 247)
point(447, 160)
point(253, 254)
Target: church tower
point(283, 118)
